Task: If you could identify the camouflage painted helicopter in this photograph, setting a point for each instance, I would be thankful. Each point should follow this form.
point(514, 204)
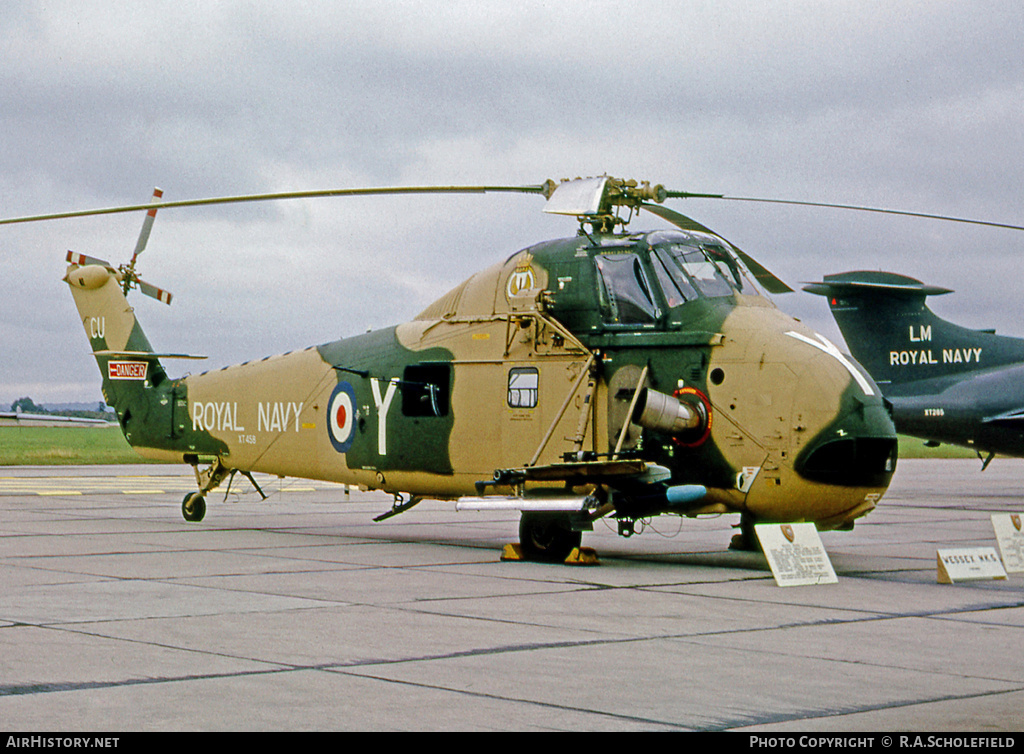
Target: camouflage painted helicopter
point(612, 373)
point(946, 383)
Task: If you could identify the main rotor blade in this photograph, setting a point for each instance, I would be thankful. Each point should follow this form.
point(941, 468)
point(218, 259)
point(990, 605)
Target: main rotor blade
point(384, 191)
point(765, 277)
point(147, 227)
point(854, 207)
point(543, 189)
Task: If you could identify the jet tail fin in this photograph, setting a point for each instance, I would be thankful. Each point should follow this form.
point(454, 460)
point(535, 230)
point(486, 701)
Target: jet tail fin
point(891, 331)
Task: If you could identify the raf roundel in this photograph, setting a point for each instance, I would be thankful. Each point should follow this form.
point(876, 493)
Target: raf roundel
point(341, 417)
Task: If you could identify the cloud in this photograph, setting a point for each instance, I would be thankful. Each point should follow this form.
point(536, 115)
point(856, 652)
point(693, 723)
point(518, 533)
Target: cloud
point(855, 102)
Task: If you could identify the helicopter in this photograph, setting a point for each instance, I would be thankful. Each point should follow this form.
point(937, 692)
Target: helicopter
point(612, 374)
point(946, 383)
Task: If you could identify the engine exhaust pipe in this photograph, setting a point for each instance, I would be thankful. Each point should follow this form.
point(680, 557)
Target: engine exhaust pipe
point(665, 413)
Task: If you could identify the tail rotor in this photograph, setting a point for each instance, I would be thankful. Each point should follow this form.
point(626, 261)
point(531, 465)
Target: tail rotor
point(126, 272)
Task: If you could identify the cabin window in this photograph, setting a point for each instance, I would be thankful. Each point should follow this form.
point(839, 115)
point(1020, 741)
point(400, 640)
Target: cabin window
point(523, 385)
point(625, 292)
point(425, 389)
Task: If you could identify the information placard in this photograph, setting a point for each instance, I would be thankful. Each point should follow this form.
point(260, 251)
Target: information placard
point(969, 564)
point(795, 554)
point(1011, 540)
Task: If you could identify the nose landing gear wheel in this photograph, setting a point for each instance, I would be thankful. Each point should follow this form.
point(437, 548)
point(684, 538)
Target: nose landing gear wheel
point(746, 540)
point(548, 538)
point(193, 507)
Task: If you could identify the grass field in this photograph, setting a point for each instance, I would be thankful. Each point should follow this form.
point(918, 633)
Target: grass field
point(911, 447)
point(56, 446)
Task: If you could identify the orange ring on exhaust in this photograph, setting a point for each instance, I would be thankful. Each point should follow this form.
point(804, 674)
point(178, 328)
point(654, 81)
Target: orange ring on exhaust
point(707, 412)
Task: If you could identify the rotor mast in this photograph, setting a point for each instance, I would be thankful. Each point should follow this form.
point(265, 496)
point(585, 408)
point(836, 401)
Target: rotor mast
point(597, 202)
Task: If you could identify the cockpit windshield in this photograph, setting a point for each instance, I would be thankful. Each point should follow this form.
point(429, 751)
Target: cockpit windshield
point(727, 263)
point(689, 263)
point(637, 284)
point(691, 267)
point(675, 285)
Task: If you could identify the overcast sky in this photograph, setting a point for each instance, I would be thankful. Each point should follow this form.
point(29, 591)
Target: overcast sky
point(910, 105)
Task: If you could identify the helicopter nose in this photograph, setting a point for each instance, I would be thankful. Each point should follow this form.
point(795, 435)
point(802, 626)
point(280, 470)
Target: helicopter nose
point(823, 442)
point(857, 450)
point(855, 443)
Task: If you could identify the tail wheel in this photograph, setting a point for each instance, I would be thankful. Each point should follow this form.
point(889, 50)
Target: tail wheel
point(547, 537)
point(193, 507)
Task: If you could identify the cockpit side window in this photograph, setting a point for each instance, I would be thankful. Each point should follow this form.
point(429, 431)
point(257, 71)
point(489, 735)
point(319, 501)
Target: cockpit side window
point(626, 293)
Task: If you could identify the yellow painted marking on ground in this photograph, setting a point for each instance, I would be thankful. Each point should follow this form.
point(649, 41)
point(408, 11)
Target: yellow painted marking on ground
point(126, 485)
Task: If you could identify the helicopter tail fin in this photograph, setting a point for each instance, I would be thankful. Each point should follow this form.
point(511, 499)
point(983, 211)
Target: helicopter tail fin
point(891, 331)
point(125, 357)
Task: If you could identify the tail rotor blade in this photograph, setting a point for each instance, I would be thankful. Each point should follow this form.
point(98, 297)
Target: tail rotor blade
point(81, 260)
point(153, 292)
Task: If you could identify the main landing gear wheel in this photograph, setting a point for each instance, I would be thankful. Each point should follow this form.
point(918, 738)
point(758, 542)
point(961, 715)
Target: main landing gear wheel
point(193, 507)
point(546, 537)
